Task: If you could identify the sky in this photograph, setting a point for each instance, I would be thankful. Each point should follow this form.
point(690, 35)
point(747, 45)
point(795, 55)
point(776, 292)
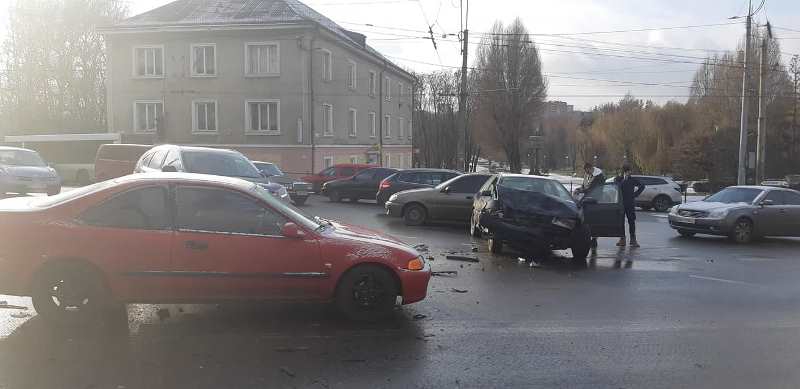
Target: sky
point(600, 59)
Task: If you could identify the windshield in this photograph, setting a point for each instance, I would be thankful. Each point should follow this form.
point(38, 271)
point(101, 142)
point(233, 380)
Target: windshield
point(269, 169)
point(219, 164)
point(540, 185)
point(21, 158)
point(296, 214)
point(735, 195)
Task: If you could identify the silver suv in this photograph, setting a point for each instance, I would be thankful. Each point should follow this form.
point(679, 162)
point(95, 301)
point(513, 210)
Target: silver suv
point(660, 193)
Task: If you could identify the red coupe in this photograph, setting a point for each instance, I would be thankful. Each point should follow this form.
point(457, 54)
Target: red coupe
point(176, 237)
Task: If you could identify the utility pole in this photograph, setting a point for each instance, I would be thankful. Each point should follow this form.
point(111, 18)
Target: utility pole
point(462, 97)
point(795, 67)
point(742, 171)
point(762, 120)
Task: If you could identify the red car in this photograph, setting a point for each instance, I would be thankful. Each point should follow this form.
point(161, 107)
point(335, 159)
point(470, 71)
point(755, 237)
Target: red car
point(335, 172)
point(178, 237)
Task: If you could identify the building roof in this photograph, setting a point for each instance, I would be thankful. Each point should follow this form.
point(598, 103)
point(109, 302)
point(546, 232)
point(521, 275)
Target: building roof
point(188, 13)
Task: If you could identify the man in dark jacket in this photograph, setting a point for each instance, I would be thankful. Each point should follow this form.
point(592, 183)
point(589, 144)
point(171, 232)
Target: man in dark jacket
point(630, 187)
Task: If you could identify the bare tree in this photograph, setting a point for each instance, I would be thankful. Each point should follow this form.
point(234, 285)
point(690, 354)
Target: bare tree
point(511, 90)
point(435, 127)
point(54, 64)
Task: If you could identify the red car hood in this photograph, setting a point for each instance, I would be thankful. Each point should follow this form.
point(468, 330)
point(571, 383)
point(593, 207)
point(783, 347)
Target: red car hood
point(366, 235)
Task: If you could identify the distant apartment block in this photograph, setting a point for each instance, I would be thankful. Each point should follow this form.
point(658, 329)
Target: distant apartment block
point(557, 108)
point(271, 78)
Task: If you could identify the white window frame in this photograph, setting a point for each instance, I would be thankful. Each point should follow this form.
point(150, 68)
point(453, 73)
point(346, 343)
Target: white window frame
point(195, 130)
point(248, 130)
point(387, 90)
point(327, 75)
point(249, 72)
point(136, 116)
point(163, 62)
point(410, 129)
point(373, 82)
point(352, 114)
point(192, 60)
point(387, 128)
point(400, 88)
point(354, 159)
point(327, 130)
point(401, 125)
point(327, 161)
point(373, 122)
point(352, 76)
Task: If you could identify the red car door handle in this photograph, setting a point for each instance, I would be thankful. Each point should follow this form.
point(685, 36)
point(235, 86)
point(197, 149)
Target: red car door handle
point(195, 245)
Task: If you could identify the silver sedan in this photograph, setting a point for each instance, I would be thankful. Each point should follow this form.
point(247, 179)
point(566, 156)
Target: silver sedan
point(741, 213)
point(23, 171)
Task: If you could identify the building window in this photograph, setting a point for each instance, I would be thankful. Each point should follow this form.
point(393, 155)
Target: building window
point(149, 61)
point(352, 122)
point(372, 82)
point(408, 133)
point(400, 88)
point(263, 116)
point(401, 163)
point(401, 127)
point(204, 60)
point(387, 160)
point(354, 159)
point(263, 58)
point(146, 115)
point(387, 126)
point(327, 162)
point(387, 89)
point(327, 65)
point(352, 75)
point(373, 125)
point(327, 120)
point(204, 116)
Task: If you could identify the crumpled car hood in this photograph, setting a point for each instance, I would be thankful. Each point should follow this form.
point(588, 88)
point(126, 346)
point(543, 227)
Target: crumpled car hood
point(534, 203)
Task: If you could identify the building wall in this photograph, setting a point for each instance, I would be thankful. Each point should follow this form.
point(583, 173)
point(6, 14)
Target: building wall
point(231, 88)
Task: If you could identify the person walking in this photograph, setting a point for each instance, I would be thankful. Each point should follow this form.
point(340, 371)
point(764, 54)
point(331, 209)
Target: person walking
point(630, 187)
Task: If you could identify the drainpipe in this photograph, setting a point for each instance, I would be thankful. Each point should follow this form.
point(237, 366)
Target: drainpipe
point(380, 114)
point(312, 108)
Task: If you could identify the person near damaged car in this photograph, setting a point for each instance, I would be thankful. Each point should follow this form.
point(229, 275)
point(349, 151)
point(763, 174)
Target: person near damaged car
point(630, 187)
point(594, 177)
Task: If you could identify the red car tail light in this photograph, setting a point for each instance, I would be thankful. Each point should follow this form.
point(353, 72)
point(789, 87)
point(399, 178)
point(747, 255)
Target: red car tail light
point(385, 184)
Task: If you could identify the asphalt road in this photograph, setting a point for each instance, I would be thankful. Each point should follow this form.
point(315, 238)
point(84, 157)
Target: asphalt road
point(676, 312)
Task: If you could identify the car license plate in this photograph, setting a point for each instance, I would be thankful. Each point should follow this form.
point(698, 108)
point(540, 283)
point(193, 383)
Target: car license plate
point(302, 193)
point(39, 186)
point(687, 220)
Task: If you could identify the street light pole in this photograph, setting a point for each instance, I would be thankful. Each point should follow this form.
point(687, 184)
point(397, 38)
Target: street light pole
point(762, 120)
point(742, 171)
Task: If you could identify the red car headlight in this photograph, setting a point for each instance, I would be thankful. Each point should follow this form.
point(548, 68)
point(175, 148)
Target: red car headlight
point(416, 264)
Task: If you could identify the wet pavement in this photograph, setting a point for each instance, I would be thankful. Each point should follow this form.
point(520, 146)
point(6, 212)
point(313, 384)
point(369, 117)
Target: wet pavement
point(676, 312)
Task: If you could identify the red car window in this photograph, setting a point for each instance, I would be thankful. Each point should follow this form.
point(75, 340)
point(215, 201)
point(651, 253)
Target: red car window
point(221, 210)
point(142, 209)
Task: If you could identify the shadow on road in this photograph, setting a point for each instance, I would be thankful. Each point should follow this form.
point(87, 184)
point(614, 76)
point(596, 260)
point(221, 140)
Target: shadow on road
point(211, 346)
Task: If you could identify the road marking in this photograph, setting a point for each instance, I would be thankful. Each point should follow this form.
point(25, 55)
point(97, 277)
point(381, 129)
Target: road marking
point(721, 280)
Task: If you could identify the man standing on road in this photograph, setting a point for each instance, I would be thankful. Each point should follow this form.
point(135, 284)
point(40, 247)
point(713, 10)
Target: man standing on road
point(630, 187)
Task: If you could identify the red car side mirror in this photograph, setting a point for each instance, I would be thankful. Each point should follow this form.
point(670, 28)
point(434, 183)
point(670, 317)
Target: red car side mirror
point(292, 231)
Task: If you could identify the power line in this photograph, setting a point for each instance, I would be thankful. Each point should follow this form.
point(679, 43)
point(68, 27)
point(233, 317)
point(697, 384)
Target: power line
point(619, 31)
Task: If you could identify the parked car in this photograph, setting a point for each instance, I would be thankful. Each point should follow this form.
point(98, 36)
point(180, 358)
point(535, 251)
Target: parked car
point(23, 171)
point(794, 181)
point(116, 160)
point(194, 238)
point(298, 190)
point(450, 200)
point(412, 179)
point(363, 185)
point(205, 160)
point(660, 193)
point(741, 213)
point(535, 213)
point(335, 172)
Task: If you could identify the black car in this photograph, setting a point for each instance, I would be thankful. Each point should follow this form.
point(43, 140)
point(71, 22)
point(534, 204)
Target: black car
point(412, 179)
point(298, 190)
point(361, 186)
point(531, 214)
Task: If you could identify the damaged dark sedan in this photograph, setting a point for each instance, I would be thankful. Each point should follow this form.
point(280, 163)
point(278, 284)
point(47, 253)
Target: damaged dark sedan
point(533, 213)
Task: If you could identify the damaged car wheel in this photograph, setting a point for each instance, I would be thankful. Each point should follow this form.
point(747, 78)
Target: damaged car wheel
point(581, 243)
